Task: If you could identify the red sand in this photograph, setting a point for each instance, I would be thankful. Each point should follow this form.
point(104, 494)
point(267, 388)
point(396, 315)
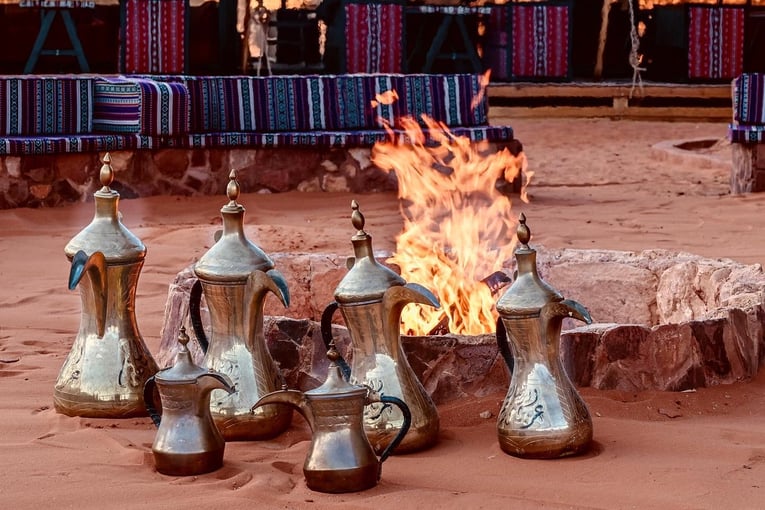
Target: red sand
point(597, 185)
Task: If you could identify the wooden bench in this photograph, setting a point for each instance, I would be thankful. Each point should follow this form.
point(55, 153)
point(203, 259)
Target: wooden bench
point(225, 121)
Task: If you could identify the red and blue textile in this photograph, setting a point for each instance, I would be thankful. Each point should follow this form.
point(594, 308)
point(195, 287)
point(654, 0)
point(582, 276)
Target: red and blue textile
point(715, 42)
point(374, 37)
point(540, 35)
point(154, 36)
point(748, 96)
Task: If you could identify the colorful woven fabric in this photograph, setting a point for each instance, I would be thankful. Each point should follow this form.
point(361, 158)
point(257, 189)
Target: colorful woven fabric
point(447, 98)
point(45, 105)
point(138, 105)
point(39, 145)
point(497, 50)
point(374, 37)
point(154, 36)
point(746, 133)
point(715, 42)
point(748, 97)
point(541, 40)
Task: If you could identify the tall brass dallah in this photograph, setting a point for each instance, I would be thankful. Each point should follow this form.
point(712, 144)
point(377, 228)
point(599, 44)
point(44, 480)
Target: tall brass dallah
point(105, 371)
point(370, 298)
point(235, 276)
point(542, 415)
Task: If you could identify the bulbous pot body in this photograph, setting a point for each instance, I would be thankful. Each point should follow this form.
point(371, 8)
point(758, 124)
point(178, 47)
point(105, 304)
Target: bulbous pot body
point(543, 415)
point(379, 361)
point(237, 348)
point(105, 371)
point(187, 440)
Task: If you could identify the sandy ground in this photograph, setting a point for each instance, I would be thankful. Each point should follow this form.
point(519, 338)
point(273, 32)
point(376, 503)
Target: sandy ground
point(598, 184)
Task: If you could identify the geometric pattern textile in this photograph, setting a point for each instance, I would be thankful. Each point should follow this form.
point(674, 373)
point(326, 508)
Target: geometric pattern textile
point(749, 98)
point(374, 37)
point(45, 105)
point(715, 42)
point(327, 102)
point(154, 36)
point(138, 105)
point(540, 35)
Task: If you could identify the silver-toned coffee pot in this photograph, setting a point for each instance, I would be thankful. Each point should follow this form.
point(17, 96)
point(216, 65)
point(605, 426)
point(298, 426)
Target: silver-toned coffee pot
point(543, 415)
point(235, 276)
point(370, 297)
point(104, 374)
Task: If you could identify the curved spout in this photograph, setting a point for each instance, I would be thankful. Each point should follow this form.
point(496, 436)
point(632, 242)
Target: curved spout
point(208, 382)
point(281, 287)
point(95, 267)
point(566, 308)
point(294, 398)
point(396, 298)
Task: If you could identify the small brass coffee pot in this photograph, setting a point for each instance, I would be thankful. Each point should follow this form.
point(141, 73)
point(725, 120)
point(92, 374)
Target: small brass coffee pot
point(235, 276)
point(543, 415)
point(187, 440)
point(104, 374)
point(340, 458)
point(370, 297)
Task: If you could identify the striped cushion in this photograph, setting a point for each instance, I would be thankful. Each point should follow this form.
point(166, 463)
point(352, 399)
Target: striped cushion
point(345, 102)
point(715, 42)
point(320, 139)
point(748, 97)
point(746, 134)
point(138, 105)
point(45, 105)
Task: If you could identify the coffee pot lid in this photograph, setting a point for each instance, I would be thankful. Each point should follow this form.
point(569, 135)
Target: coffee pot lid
point(367, 280)
point(234, 257)
point(184, 370)
point(528, 293)
point(106, 233)
point(335, 385)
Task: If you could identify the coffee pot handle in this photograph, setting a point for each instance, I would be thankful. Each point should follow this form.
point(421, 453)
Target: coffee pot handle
point(148, 400)
point(504, 347)
point(195, 301)
point(326, 335)
point(385, 399)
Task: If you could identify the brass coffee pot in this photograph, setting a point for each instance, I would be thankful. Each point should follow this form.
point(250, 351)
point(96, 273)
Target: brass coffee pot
point(235, 276)
point(543, 415)
point(187, 440)
point(370, 297)
point(340, 458)
point(104, 374)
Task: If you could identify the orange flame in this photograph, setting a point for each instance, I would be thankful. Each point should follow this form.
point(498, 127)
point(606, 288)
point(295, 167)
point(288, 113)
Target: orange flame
point(458, 228)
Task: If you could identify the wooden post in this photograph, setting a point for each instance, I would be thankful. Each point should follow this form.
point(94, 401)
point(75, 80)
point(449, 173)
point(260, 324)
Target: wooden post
point(604, 13)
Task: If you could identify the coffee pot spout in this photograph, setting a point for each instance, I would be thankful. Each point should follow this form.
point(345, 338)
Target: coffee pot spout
point(94, 268)
point(566, 308)
point(293, 398)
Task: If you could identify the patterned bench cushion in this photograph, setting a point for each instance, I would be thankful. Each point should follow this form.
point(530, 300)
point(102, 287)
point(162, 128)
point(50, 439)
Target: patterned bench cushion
point(308, 103)
point(138, 105)
point(748, 96)
point(738, 133)
point(131, 141)
point(33, 105)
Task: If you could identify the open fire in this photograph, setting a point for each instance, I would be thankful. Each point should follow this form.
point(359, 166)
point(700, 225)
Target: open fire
point(458, 228)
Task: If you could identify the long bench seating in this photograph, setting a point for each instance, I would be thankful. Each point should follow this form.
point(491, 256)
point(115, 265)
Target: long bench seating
point(746, 133)
point(64, 114)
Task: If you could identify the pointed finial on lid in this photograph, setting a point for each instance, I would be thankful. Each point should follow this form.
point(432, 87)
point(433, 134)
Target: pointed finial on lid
point(232, 190)
point(183, 338)
point(357, 219)
point(332, 353)
point(523, 232)
point(107, 173)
